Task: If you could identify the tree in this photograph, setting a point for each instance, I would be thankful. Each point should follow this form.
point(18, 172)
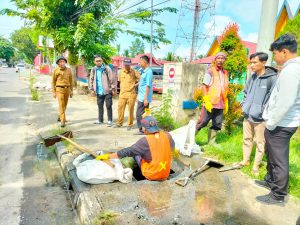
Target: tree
point(6, 50)
point(231, 44)
point(118, 49)
point(137, 47)
point(293, 27)
point(126, 53)
point(236, 65)
point(22, 40)
point(172, 57)
point(85, 27)
point(200, 56)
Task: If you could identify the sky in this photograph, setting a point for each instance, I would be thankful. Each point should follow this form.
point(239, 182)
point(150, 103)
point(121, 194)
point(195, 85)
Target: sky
point(179, 26)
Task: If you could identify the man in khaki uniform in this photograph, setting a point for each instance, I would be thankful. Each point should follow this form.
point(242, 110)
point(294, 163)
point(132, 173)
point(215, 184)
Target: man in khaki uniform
point(62, 87)
point(128, 79)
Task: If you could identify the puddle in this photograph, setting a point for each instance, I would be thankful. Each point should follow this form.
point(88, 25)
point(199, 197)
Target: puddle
point(48, 165)
point(156, 201)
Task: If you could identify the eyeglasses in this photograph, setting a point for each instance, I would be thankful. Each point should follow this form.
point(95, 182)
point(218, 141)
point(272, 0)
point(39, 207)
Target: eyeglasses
point(98, 60)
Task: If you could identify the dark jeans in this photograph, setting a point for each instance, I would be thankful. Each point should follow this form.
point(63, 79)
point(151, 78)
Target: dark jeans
point(277, 151)
point(108, 102)
point(139, 113)
point(216, 115)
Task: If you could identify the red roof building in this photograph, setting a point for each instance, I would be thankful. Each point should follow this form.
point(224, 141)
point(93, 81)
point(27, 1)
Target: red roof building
point(250, 47)
point(117, 61)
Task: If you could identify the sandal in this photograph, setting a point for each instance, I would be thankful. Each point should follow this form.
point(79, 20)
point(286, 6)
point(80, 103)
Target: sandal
point(255, 172)
point(240, 164)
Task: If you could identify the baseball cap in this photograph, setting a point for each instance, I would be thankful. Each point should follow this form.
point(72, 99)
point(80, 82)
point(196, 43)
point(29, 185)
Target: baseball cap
point(150, 124)
point(127, 61)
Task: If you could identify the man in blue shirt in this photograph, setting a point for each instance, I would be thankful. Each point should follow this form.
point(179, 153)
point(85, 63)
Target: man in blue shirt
point(103, 84)
point(145, 91)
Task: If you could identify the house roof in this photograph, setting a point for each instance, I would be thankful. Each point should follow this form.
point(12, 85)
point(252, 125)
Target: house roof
point(250, 45)
point(117, 61)
point(208, 60)
point(136, 59)
point(297, 11)
point(285, 6)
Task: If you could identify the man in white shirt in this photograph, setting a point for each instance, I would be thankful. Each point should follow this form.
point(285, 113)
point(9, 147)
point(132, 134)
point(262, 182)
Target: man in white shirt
point(282, 116)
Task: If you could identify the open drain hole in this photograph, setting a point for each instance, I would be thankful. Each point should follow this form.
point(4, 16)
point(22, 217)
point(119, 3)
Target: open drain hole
point(137, 174)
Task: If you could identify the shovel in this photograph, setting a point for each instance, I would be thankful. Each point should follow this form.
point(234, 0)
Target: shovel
point(49, 141)
point(208, 162)
point(85, 150)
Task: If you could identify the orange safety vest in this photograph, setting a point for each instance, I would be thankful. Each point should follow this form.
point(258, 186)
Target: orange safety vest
point(216, 90)
point(159, 167)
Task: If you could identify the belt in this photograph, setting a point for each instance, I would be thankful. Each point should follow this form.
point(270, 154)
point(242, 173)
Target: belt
point(63, 86)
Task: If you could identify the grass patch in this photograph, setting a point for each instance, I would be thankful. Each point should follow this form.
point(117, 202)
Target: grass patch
point(35, 96)
point(105, 218)
point(230, 151)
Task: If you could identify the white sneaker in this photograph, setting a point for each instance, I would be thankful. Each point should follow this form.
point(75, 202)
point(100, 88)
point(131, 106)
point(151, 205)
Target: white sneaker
point(98, 122)
point(109, 123)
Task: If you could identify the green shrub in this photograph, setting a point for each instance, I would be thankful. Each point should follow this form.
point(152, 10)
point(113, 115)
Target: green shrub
point(34, 92)
point(234, 108)
point(163, 114)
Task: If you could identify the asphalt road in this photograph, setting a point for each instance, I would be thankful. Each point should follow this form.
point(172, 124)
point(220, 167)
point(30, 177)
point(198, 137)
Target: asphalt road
point(25, 196)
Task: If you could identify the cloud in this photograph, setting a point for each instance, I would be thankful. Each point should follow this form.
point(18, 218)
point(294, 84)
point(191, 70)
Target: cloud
point(183, 51)
point(163, 50)
point(250, 37)
point(217, 25)
point(242, 11)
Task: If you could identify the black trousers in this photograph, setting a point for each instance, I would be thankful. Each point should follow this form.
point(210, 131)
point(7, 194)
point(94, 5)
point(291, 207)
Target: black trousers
point(216, 115)
point(277, 152)
point(139, 113)
point(108, 102)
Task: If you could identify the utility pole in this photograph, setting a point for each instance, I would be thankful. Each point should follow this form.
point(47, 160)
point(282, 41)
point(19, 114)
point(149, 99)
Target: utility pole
point(151, 39)
point(267, 27)
point(195, 30)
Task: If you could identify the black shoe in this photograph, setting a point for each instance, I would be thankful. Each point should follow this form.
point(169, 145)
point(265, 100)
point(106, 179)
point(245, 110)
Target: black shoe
point(58, 119)
point(269, 199)
point(262, 183)
point(62, 124)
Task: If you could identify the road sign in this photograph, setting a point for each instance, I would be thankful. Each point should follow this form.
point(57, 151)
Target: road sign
point(171, 72)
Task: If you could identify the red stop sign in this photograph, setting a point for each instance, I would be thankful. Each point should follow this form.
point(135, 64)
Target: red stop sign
point(171, 72)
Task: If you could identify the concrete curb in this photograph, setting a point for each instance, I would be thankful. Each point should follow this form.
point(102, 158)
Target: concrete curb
point(81, 190)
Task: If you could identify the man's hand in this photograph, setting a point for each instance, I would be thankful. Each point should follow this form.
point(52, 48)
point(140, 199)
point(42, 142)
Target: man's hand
point(113, 93)
point(146, 102)
point(54, 95)
point(103, 157)
point(93, 93)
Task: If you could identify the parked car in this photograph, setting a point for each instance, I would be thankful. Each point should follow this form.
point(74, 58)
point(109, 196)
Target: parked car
point(157, 82)
point(4, 65)
point(19, 67)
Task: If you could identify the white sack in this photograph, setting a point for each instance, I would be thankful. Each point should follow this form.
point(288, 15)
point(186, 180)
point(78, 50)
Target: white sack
point(94, 171)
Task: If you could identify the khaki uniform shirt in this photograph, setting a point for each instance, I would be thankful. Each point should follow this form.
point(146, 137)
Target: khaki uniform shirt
point(62, 77)
point(128, 80)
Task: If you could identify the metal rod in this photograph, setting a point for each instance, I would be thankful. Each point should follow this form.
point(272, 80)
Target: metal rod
point(151, 44)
